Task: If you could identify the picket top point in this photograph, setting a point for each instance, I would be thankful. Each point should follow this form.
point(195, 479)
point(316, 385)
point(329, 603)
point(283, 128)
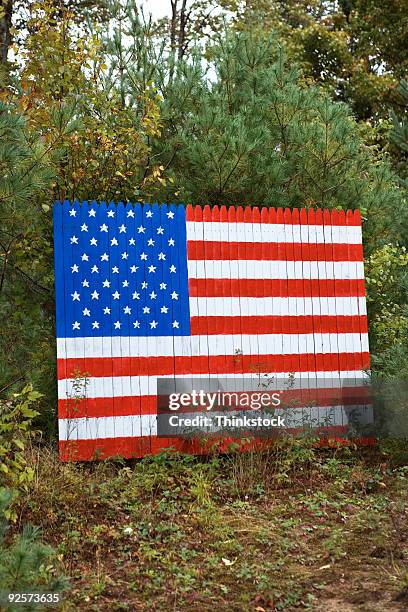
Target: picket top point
point(240, 214)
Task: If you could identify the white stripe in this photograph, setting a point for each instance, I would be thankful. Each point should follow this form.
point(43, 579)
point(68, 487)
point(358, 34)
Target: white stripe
point(122, 386)
point(217, 231)
point(146, 425)
point(269, 344)
point(337, 270)
point(107, 427)
point(285, 306)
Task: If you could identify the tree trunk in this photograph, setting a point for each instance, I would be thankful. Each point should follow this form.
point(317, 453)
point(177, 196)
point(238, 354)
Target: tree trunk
point(182, 33)
point(6, 10)
point(173, 26)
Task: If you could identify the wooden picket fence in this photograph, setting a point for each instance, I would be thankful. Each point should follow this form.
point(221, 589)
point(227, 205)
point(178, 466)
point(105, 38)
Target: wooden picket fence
point(260, 292)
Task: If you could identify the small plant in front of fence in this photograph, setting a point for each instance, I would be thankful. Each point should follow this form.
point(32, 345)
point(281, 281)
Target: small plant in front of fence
point(16, 417)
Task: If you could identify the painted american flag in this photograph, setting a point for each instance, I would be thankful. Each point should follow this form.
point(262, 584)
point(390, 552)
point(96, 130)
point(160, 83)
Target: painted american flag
point(148, 291)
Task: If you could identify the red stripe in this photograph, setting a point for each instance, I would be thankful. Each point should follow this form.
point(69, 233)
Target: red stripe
point(280, 215)
point(199, 250)
point(236, 287)
point(324, 324)
point(147, 404)
point(88, 450)
point(107, 406)
point(217, 364)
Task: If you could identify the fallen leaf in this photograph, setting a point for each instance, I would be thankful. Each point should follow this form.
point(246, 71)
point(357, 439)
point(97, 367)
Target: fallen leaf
point(227, 562)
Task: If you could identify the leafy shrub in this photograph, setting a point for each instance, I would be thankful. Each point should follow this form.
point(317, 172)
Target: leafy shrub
point(387, 282)
point(16, 416)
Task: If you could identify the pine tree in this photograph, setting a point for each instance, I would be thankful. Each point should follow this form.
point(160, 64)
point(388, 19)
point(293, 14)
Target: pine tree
point(253, 133)
point(24, 173)
point(399, 134)
point(25, 563)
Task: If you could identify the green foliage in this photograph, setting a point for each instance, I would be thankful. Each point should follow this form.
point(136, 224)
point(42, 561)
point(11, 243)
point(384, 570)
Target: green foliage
point(387, 287)
point(26, 564)
point(25, 248)
point(16, 416)
point(255, 134)
point(355, 49)
point(399, 134)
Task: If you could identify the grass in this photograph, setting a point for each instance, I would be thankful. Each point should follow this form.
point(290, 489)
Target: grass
point(293, 528)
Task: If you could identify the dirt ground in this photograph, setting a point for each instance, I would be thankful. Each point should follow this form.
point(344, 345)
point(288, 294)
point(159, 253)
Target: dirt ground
point(296, 528)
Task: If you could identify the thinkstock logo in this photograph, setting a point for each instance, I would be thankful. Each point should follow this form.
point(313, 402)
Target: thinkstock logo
point(261, 406)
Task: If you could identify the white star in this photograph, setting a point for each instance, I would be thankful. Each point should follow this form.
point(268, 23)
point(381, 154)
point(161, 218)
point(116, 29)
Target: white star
point(92, 212)
point(136, 295)
point(174, 296)
point(86, 312)
point(104, 228)
point(153, 295)
point(106, 310)
point(153, 324)
point(149, 214)
point(152, 269)
point(95, 270)
point(131, 213)
point(144, 285)
point(176, 324)
point(163, 286)
point(75, 296)
point(141, 229)
point(115, 270)
point(122, 229)
point(172, 268)
point(93, 242)
point(125, 255)
point(74, 268)
point(116, 295)
point(127, 310)
point(125, 283)
point(72, 212)
point(74, 240)
point(111, 213)
point(133, 269)
point(106, 283)
point(160, 230)
point(146, 310)
point(76, 325)
point(164, 309)
point(95, 295)
point(143, 256)
point(95, 325)
point(105, 257)
point(117, 324)
point(85, 257)
point(114, 242)
point(171, 242)
point(132, 241)
point(150, 242)
point(162, 256)
point(84, 228)
point(170, 215)
point(85, 283)
point(136, 324)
